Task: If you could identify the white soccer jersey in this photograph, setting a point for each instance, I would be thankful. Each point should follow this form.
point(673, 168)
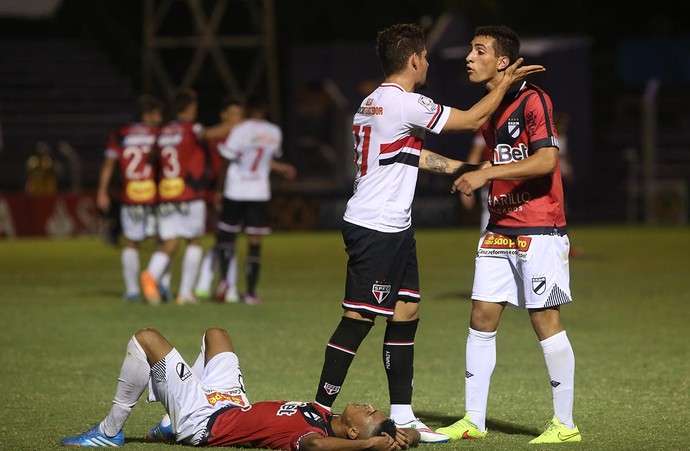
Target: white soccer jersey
point(250, 147)
point(389, 129)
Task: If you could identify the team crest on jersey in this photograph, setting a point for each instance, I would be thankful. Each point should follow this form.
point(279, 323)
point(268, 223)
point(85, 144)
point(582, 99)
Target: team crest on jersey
point(369, 102)
point(183, 371)
point(381, 289)
point(513, 127)
point(539, 285)
point(427, 103)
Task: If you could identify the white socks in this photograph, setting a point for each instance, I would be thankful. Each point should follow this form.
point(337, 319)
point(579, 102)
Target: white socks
point(158, 264)
point(133, 380)
point(402, 413)
point(130, 270)
point(206, 272)
point(560, 364)
point(190, 268)
point(480, 363)
point(480, 360)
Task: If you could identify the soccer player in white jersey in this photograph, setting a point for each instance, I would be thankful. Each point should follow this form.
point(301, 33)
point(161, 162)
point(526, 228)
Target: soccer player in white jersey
point(250, 153)
point(382, 274)
point(232, 112)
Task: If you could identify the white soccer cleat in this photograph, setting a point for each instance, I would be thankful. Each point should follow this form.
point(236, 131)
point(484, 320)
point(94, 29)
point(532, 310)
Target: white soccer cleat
point(427, 435)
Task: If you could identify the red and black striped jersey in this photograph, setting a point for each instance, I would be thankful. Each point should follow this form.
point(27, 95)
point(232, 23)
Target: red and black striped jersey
point(131, 145)
point(267, 424)
point(522, 125)
point(183, 166)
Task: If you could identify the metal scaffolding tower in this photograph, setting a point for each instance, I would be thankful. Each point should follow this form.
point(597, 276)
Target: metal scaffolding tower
point(237, 36)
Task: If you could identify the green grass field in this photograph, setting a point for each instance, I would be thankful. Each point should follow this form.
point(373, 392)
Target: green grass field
point(64, 328)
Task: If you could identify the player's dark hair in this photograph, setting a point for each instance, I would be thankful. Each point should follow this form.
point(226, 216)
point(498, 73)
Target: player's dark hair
point(257, 105)
point(182, 99)
point(387, 426)
point(229, 101)
point(395, 45)
point(146, 103)
point(507, 41)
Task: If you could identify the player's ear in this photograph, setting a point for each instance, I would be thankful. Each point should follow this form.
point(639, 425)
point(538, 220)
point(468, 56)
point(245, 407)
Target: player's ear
point(352, 433)
point(503, 62)
point(414, 61)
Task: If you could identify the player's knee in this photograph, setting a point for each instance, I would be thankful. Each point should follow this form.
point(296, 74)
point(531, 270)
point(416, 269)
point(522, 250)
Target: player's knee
point(147, 335)
point(216, 335)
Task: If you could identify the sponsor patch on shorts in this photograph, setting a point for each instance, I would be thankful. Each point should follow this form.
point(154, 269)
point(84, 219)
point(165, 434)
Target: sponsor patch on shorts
point(495, 244)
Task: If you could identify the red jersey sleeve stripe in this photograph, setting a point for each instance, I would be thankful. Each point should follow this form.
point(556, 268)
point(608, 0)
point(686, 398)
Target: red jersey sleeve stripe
point(411, 142)
point(434, 120)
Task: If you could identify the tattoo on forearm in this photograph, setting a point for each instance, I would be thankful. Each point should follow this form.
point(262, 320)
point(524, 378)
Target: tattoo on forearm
point(437, 163)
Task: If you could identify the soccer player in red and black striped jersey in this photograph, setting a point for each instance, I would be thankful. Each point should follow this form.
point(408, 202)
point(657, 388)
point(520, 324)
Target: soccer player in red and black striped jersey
point(522, 257)
point(382, 275)
point(130, 146)
point(208, 405)
point(181, 156)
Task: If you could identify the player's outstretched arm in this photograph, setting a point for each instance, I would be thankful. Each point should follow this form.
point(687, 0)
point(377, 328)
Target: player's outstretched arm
point(316, 442)
point(438, 164)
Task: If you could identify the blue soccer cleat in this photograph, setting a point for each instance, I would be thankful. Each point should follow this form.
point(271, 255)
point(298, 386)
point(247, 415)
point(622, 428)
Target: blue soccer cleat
point(166, 296)
point(161, 433)
point(94, 437)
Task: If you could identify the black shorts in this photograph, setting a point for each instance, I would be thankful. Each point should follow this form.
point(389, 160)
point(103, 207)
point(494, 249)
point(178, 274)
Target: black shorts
point(252, 217)
point(381, 269)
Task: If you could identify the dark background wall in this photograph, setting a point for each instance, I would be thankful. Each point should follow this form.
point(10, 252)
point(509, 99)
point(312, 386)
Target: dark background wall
point(325, 52)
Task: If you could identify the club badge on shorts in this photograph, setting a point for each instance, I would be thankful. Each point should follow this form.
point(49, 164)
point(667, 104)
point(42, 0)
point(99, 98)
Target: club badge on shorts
point(539, 285)
point(381, 289)
point(183, 372)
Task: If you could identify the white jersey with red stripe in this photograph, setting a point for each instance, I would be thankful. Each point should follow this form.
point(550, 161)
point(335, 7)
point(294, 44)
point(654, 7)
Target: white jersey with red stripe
point(250, 147)
point(389, 129)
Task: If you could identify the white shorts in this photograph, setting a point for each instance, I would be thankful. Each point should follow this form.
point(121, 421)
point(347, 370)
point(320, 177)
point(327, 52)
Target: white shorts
point(191, 400)
point(182, 219)
point(138, 221)
point(525, 271)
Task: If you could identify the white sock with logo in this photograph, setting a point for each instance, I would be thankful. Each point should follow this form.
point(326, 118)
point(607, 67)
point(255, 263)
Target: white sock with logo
point(480, 361)
point(560, 364)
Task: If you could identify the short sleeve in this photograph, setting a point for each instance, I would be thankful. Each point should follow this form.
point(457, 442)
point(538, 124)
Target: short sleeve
point(421, 111)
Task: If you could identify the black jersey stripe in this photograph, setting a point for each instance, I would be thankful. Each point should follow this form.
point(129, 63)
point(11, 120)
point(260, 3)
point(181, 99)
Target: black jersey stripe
point(547, 117)
point(438, 117)
point(401, 157)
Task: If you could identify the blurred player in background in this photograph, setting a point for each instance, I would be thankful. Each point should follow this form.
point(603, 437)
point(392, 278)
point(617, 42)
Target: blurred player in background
point(250, 154)
point(130, 146)
point(181, 159)
point(561, 120)
point(232, 112)
point(478, 152)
